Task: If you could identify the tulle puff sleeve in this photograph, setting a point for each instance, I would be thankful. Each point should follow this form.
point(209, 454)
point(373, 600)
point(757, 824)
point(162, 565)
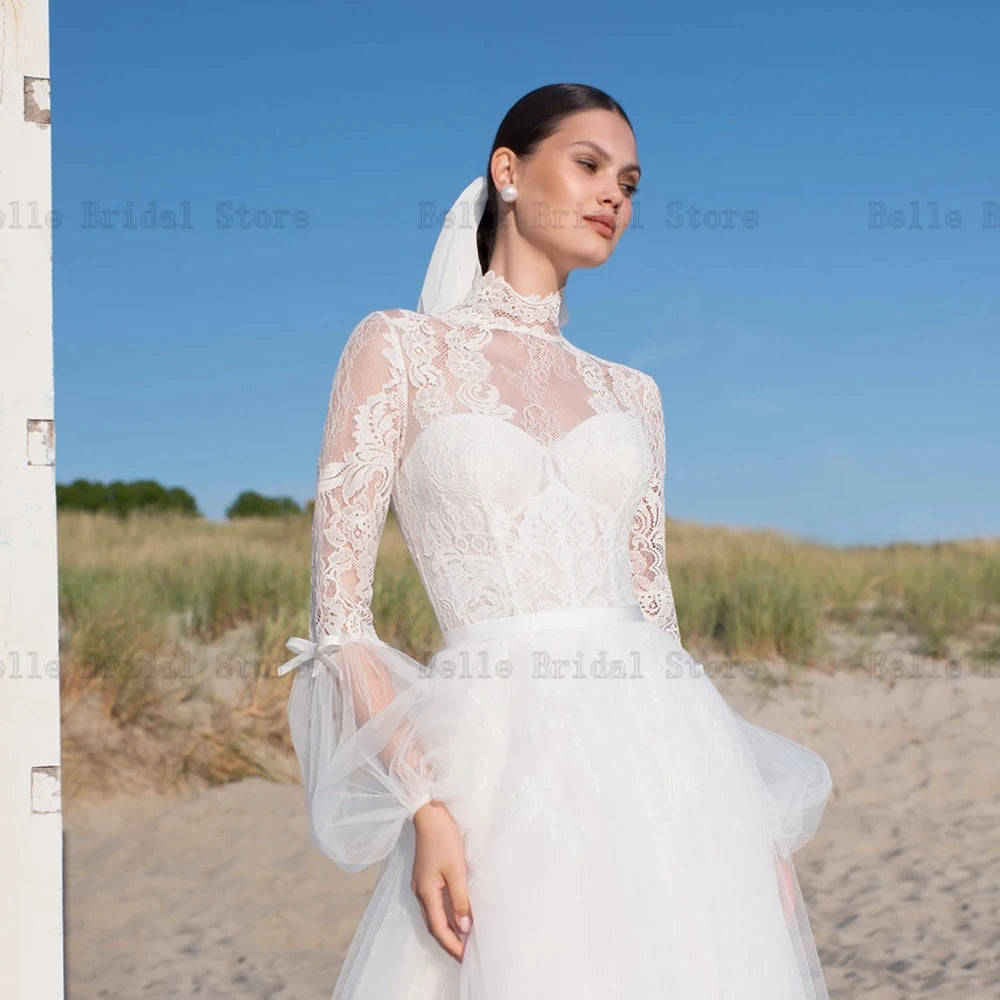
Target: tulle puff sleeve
point(353, 699)
point(795, 780)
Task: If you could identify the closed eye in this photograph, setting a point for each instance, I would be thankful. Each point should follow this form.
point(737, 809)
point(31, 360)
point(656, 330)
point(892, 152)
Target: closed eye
point(631, 189)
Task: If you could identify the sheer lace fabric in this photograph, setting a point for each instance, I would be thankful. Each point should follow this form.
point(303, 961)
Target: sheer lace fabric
point(491, 437)
point(527, 477)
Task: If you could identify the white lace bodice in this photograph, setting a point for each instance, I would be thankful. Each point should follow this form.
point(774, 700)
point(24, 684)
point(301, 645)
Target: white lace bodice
point(525, 473)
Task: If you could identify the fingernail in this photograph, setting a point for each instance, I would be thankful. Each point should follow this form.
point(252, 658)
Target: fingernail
point(465, 922)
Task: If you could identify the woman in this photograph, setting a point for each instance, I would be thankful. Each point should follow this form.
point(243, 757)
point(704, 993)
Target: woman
point(562, 802)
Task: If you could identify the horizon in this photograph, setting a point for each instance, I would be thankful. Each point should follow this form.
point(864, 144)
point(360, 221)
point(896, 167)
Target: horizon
point(828, 369)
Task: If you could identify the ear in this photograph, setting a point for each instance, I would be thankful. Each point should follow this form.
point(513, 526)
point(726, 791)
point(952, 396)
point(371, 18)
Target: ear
point(504, 166)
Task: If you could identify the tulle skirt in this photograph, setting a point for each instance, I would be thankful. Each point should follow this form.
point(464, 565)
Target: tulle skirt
point(627, 833)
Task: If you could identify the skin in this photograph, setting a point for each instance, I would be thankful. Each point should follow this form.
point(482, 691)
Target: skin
point(786, 882)
point(439, 878)
point(541, 237)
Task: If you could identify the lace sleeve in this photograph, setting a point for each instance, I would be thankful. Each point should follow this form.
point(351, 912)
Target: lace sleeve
point(363, 768)
point(647, 545)
point(797, 780)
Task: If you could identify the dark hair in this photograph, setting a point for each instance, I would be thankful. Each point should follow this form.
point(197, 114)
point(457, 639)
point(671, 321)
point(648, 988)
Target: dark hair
point(528, 122)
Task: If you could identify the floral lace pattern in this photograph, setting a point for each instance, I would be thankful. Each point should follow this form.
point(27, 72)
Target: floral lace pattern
point(491, 437)
point(532, 314)
point(525, 474)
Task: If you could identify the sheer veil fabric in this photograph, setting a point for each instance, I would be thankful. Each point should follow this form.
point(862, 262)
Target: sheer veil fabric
point(627, 833)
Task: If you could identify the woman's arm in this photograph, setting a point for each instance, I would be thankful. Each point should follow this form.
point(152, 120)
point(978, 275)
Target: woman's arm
point(647, 544)
point(363, 768)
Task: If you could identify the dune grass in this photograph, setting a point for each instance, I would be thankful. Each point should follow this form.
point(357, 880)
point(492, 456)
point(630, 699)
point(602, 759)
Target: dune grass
point(125, 583)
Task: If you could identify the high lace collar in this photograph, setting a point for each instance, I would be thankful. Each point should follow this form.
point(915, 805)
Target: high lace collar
point(535, 314)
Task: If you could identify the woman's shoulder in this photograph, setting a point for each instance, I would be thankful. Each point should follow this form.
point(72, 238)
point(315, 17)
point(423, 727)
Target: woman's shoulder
point(396, 327)
point(406, 323)
point(636, 379)
point(383, 319)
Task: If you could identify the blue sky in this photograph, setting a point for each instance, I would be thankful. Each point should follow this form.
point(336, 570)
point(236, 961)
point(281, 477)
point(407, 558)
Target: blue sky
point(822, 375)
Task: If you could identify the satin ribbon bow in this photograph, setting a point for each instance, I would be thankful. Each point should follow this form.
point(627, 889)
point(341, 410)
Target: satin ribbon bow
point(307, 651)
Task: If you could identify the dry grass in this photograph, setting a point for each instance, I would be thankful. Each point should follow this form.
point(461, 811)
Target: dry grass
point(150, 604)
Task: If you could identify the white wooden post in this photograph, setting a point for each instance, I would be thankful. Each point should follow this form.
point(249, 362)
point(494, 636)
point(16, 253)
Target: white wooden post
point(31, 913)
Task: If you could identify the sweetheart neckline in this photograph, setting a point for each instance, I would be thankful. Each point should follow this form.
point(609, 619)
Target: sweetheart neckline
point(555, 442)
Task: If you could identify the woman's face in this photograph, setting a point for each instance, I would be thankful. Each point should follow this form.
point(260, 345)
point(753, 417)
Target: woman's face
point(588, 167)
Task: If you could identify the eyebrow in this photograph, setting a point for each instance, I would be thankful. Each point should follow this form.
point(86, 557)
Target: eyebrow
point(605, 155)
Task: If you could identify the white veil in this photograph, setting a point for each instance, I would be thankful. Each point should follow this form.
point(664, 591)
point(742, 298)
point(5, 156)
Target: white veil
point(454, 264)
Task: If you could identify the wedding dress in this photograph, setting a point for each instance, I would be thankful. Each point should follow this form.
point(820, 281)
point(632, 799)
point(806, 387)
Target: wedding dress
point(627, 833)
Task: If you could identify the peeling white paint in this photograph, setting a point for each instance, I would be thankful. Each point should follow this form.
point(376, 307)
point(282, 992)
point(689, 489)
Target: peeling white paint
point(46, 789)
point(37, 100)
point(41, 442)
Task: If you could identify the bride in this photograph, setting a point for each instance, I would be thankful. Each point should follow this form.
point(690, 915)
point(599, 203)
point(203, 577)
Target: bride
point(561, 802)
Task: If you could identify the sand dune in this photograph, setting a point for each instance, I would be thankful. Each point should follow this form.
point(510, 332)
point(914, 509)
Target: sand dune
point(222, 895)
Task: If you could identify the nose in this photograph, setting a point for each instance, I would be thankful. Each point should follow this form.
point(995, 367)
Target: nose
point(612, 196)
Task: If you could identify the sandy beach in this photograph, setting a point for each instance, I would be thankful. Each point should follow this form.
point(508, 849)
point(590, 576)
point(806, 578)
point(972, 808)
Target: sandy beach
point(222, 895)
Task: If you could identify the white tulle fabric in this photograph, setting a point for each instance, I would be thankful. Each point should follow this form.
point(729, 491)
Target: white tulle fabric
point(625, 837)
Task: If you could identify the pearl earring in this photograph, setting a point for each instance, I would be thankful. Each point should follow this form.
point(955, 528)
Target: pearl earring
point(508, 192)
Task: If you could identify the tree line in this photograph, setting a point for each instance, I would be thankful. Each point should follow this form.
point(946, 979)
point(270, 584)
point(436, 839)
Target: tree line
point(122, 498)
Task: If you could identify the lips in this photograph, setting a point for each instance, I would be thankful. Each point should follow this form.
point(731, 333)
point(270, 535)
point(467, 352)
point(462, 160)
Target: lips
point(604, 224)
